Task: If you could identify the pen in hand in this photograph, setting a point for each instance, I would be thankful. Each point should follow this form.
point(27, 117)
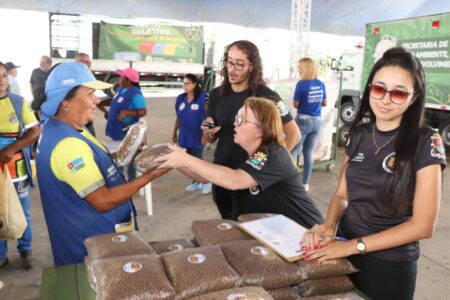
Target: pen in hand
point(336, 238)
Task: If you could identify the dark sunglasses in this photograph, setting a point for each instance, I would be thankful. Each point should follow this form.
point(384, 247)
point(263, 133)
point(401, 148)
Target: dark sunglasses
point(396, 96)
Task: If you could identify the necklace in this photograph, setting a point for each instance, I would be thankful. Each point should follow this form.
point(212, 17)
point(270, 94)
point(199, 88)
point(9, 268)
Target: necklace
point(375, 142)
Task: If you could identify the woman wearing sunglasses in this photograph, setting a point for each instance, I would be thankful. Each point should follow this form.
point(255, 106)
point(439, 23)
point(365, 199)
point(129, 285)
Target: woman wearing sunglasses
point(269, 172)
point(389, 191)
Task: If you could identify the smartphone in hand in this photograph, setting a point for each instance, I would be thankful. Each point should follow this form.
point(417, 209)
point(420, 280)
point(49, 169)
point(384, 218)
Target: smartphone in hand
point(208, 124)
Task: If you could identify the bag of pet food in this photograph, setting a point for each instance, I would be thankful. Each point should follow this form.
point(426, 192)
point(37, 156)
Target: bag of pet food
point(199, 271)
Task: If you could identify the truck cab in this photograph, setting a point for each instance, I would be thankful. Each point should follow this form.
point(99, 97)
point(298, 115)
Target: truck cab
point(349, 68)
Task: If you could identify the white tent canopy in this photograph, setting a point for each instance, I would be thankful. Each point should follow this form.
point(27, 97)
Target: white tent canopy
point(347, 17)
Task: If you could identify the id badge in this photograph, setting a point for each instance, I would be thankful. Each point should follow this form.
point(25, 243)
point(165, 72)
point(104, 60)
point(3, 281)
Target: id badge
point(125, 226)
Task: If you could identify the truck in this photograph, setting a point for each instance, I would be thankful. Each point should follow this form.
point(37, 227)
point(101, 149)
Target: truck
point(161, 53)
point(428, 38)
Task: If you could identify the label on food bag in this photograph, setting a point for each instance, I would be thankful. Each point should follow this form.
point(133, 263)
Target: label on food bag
point(258, 250)
point(132, 267)
point(176, 247)
point(237, 296)
point(224, 226)
point(196, 258)
point(119, 238)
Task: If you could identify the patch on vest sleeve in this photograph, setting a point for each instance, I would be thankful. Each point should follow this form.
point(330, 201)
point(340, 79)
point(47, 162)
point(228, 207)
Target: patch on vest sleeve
point(76, 164)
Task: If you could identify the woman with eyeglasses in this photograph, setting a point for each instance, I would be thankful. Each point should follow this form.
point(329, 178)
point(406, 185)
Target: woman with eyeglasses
point(190, 109)
point(389, 191)
point(309, 97)
point(269, 172)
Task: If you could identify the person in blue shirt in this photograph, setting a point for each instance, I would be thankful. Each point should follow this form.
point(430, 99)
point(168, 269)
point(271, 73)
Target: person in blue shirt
point(127, 106)
point(309, 97)
point(190, 109)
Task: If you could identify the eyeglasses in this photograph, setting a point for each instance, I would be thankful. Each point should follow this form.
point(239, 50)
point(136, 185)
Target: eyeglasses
point(239, 121)
point(377, 92)
point(237, 66)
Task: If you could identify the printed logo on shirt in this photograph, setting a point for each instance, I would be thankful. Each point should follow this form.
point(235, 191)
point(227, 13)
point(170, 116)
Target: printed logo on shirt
point(76, 164)
point(257, 160)
point(437, 146)
point(182, 106)
point(120, 100)
point(282, 108)
point(194, 107)
point(359, 157)
point(389, 163)
point(13, 118)
point(112, 171)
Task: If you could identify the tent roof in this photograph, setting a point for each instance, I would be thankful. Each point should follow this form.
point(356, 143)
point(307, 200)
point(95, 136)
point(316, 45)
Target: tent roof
point(347, 17)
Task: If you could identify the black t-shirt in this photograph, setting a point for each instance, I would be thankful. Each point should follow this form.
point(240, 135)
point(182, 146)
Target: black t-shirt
point(279, 187)
point(37, 80)
point(223, 109)
point(366, 174)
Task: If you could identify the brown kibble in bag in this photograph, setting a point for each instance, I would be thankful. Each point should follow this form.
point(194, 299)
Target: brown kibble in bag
point(199, 271)
point(350, 295)
point(324, 286)
point(217, 231)
point(131, 277)
point(284, 293)
point(260, 266)
point(131, 142)
point(172, 245)
point(328, 268)
point(243, 293)
point(144, 161)
point(252, 217)
point(117, 244)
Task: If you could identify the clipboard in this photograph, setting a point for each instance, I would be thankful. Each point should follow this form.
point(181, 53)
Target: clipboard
point(279, 233)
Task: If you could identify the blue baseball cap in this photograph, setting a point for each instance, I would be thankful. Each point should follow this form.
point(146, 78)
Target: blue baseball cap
point(62, 79)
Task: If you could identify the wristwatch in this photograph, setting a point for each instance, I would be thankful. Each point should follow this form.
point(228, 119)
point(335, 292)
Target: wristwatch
point(360, 246)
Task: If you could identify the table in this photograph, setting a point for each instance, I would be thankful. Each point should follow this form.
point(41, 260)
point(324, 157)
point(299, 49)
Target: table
point(70, 283)
point(67, 282)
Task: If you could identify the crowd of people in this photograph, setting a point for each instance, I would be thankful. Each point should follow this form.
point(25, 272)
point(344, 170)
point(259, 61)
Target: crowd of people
point(387, 196)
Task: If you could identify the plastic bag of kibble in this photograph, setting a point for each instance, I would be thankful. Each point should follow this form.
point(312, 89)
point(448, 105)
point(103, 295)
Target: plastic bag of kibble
point(350, 295)
point(131, 277)
point(144, 160)
point(131, 142)
point(251, 217)
point(117, 244)
point(213, 232)
point(173, 245)
point(90, 276)
point(284, 293)
point(260, 266)
point(243, 293)
point(328, 268)
point(324, 286)
point(199, 271)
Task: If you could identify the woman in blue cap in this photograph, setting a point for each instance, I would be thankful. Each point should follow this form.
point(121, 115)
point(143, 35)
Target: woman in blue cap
point(83, 193)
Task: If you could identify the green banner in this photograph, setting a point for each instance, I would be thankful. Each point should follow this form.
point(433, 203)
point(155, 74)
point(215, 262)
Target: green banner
point(427, 37)
point(153, 42)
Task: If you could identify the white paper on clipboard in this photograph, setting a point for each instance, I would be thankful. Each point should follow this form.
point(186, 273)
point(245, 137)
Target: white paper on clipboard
point(279, 233)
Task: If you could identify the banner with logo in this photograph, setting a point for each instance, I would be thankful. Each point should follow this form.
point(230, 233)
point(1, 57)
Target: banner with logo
point(152, 42)
point(428, 38)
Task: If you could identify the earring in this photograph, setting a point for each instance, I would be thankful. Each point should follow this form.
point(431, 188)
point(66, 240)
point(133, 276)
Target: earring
point(66, 108)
